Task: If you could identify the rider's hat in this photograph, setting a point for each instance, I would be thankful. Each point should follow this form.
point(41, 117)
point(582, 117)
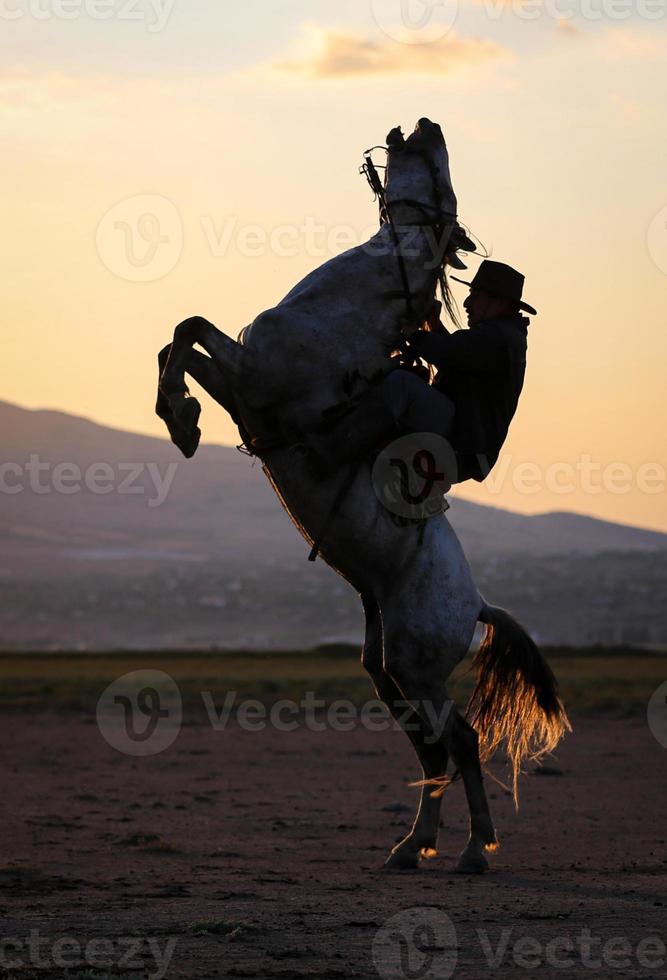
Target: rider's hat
point(500, 280)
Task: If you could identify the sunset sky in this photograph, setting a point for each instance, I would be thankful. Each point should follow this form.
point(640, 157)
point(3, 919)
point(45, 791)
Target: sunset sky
point(232, 121)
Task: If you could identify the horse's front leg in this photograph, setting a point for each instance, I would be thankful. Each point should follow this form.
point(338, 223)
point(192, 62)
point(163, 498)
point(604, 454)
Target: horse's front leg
point(175, 405)
point(203, 369)
point(179, 412)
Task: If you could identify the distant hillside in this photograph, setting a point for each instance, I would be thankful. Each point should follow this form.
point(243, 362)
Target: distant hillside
point(218, 507)
point(219, 564)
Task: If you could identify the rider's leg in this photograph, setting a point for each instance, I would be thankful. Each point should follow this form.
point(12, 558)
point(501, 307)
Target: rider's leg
point(417, 406)
point(401, 402)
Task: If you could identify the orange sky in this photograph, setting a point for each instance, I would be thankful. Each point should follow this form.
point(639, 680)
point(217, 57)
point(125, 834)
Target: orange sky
point(242, 135)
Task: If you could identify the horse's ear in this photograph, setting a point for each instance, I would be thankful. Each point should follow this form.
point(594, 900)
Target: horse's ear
point(395, 137)
point(460, 240)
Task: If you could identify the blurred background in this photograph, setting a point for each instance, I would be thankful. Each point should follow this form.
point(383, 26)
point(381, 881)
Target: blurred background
point(164, 159)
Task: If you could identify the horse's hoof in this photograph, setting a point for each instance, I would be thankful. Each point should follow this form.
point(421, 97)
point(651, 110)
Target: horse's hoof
point(472, 864)
point(191, 444)
point(187, 442)
point(398, 861)
point(183, 428)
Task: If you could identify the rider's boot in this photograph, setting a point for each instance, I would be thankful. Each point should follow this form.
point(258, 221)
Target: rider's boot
point(368, 426)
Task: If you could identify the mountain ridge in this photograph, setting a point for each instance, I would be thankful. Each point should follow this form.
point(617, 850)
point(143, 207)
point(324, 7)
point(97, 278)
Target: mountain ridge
point(200, 554)
point(219, 503)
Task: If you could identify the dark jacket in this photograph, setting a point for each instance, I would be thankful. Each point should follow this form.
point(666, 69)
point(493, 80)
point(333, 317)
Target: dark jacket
point(481, 369)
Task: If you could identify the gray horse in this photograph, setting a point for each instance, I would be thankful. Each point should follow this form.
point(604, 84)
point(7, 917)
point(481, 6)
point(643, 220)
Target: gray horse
point(421, 605)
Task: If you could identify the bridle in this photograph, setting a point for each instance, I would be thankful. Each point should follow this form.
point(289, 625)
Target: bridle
point(438, 219)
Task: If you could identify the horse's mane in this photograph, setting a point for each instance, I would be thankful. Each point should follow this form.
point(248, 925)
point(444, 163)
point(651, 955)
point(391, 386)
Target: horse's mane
point(448, 300)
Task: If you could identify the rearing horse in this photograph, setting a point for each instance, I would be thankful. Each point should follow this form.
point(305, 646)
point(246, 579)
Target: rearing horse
point(419, 598)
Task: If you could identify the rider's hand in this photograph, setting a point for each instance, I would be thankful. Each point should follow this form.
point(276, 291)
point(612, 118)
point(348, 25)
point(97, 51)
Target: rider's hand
point(409, 327)
point(432, 319)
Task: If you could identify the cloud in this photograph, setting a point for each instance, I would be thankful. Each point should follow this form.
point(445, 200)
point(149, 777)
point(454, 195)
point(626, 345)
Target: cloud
point(631, 113)
point(623, 43)
point(565, 28)
point(331, 53)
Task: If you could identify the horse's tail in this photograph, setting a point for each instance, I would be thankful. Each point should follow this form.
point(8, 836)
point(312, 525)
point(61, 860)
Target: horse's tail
point(515, 702)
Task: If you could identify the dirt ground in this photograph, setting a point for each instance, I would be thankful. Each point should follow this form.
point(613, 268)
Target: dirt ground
point(259, 854)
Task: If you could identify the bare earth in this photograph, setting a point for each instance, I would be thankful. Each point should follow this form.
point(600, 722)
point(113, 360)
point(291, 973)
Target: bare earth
point(278, 839)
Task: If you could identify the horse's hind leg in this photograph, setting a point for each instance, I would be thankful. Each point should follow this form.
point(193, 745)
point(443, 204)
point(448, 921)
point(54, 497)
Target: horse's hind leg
point(420, 659)
point(431, 750)
point(463, 744)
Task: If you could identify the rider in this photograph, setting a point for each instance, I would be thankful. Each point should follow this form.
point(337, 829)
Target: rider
point(474, 394)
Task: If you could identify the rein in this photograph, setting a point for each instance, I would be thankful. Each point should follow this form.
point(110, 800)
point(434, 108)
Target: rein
point(442, 218)
point(370, 171)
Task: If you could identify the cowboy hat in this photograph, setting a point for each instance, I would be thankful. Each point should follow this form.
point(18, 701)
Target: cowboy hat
point(500, 280)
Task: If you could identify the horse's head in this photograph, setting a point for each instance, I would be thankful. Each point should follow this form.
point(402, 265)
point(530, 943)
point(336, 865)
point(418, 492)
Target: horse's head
point(418, 182)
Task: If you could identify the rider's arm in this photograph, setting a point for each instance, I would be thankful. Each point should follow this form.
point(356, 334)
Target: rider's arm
point(479, 351)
